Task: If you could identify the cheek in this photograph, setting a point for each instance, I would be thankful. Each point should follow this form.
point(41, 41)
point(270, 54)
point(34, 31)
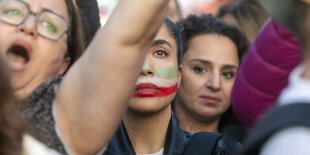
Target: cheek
point(227, 89)
point(55, 50)
point(50, 56)
point(189, 90)
point(167, 72)
point(6, 34)
point(191, 82)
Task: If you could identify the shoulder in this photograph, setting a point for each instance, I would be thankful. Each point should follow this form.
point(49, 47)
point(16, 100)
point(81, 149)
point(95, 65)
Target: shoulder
point(226, 146)
point(37, 113)
point(46, 91)
point(40, 100)
point(33, 146)
point(295, 137)
point(212, 143)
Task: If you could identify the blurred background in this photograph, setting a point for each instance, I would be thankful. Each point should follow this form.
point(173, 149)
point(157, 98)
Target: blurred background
point(187, 7)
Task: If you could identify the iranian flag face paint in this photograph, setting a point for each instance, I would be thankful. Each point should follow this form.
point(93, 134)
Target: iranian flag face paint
point(163, 82)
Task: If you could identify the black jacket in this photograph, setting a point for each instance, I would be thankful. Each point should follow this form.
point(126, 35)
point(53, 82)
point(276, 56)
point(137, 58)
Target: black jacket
point(275, 120)
point(175, 144)
point(176, 140)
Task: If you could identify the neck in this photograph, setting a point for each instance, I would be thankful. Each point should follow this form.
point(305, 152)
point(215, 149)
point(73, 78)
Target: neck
point(306, 73)
point(306, 60)
point(147, 133)
point(189, 122)
point(21, 95)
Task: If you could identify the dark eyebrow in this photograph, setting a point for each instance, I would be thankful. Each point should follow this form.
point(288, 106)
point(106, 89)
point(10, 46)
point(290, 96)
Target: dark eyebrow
point(202, 61)
point(209, 63)
point(230, 67)
point(160, 42)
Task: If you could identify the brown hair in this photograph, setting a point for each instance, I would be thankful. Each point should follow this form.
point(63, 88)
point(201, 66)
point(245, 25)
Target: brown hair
point(249, 14)
point(291, 14)
point(75, 36)
point(11, 128)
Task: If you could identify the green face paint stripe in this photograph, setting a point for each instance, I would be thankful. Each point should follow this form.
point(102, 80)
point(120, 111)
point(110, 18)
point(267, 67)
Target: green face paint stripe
point(168, 72)
point(164, 72)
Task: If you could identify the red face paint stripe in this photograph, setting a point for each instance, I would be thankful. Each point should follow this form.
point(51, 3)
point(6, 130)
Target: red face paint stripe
point(149, 90)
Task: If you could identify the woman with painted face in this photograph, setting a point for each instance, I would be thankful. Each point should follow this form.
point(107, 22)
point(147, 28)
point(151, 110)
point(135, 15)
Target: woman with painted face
point(40, 39)
point(149, 127)
point(212, 54)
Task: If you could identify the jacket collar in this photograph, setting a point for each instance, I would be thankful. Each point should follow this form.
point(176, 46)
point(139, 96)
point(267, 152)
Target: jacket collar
point(175, 141)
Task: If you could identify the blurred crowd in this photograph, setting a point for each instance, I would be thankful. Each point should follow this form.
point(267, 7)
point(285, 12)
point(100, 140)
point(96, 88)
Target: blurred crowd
point(232, 77)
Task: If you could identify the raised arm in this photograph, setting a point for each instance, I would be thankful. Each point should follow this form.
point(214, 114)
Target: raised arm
point(94, 94)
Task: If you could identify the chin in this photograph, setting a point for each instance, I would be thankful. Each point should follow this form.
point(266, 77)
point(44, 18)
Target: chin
point(206, 113)
point(17, 82)
point(148, 106)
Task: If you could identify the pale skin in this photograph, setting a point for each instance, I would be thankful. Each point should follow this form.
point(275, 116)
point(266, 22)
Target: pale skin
point(94, 93)
point(147, 119)
point(209, 70)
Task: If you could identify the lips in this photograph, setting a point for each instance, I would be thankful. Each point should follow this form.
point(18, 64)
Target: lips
point(211, 99)
point(151, 90)
point(18, 55)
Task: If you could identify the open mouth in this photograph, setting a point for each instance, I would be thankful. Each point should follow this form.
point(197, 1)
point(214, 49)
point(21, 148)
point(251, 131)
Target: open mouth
point(17, 56)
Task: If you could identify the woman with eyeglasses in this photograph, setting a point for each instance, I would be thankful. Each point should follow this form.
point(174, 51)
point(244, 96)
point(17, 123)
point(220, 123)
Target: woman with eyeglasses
point(79, 112)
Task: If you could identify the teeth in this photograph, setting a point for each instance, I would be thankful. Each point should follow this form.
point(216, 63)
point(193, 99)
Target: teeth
point(15, 61)
point(15, 64)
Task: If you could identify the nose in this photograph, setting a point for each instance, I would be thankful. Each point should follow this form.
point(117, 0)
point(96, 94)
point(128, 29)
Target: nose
point(214, 82)
point(29, 26)
point(147, 70)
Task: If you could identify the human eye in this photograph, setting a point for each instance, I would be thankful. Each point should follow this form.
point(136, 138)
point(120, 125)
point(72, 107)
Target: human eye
point(228, 74)
point(199, 70)
point(160, 53)
point(14, 12)
point(49, 26)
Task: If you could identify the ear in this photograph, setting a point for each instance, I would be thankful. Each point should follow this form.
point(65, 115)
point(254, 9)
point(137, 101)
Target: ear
point(64, 66)
point(180, 75)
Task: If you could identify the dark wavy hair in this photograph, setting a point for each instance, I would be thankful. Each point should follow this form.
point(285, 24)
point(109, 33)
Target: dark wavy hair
point(292, 14)
point(175, 31)
point(11, 128)
point(207, 24)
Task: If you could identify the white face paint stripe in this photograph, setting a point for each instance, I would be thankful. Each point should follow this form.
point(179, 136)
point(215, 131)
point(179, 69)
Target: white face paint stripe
point(158, 81)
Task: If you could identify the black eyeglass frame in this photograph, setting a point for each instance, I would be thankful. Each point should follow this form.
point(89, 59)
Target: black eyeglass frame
point(37, 15)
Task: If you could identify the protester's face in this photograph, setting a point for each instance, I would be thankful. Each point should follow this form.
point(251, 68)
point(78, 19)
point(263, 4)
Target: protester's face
point(209, 68)
point(33, 58)
point(158, 82)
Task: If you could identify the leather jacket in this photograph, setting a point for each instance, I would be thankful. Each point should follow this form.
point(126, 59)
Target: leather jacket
point(175, 143)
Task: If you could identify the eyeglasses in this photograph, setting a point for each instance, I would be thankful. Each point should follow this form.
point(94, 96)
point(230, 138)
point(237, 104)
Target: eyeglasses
point(48, 24)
